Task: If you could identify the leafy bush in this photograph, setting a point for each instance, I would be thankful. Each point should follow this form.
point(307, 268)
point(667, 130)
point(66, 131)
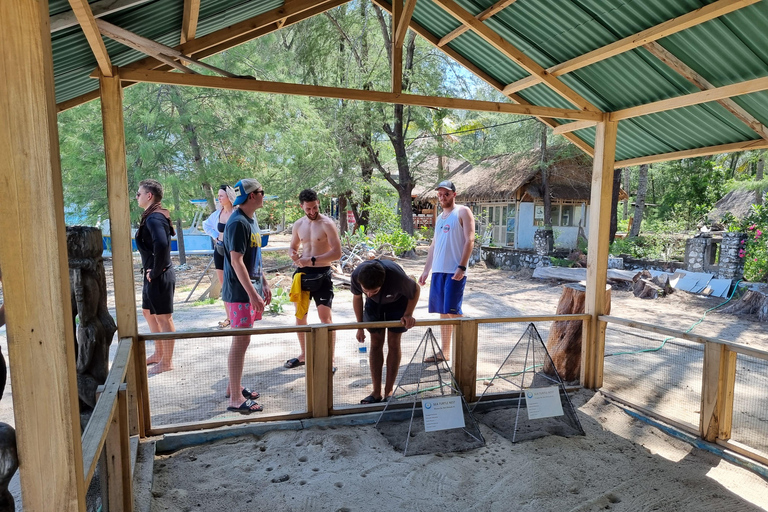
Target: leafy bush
point(397, 238)
point(655, 247)
point(754, 248)
point(279, 300)
point(560, 262)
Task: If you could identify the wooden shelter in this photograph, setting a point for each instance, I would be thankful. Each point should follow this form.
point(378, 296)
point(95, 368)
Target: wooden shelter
point(633, 83)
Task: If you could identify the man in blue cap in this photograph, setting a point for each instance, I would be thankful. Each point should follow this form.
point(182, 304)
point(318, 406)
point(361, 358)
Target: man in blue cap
point(245, 290)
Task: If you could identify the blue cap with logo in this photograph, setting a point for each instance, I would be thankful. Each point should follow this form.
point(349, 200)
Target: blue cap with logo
point(243, 188)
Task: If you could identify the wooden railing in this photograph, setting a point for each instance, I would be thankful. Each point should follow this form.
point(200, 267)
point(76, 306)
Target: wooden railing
point(717, 385)
point(108, 431)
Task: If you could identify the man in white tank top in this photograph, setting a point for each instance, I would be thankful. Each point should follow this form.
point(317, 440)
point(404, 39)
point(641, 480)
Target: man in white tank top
point(448, 258)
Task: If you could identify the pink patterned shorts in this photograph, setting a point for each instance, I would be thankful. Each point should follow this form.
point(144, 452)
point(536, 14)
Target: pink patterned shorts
point(240, 314)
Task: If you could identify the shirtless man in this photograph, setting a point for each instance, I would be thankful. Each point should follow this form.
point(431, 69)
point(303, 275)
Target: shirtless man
point(318, 238)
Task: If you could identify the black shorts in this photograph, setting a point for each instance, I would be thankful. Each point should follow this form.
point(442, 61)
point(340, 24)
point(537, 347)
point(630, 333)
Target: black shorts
point(375, 312)
point(323, 296)
point(157, 296)
point(218, 256)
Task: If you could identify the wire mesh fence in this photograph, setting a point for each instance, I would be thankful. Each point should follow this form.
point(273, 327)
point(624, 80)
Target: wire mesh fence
point(494, 343)
point(195, 390)
point(750, 403)
point(654, 371)
point(352, 381)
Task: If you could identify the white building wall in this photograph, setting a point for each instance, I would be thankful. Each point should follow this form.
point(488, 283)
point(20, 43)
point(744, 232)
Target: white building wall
point(525, 227)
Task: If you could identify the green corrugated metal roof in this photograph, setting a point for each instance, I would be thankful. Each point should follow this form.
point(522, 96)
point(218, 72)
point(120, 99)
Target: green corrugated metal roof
point(729, 49)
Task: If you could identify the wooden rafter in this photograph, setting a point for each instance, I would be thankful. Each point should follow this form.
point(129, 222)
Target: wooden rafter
point(213, 46)
point(161, 52)
point(488, 13)
point(498, 42)
point(404, 21)
point(572, 127)
point(430, 38)
point(395, 49)
point(248, 84)
point(696, 98)
point(189, 20)
point(692, 153)
point(702, 83)
point(101, 8)
point(669, 27)
point(88, 23)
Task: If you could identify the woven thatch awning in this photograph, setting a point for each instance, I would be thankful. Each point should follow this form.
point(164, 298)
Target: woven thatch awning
point(500, 177)
point(737, 202)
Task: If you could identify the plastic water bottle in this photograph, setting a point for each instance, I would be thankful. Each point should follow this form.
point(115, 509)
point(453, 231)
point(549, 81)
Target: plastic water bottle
point(362, 349)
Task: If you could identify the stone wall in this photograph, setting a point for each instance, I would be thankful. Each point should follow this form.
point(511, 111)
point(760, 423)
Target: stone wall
point(701, 255)
point(508, 259)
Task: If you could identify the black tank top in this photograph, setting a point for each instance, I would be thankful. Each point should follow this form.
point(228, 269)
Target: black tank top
point(220, 226)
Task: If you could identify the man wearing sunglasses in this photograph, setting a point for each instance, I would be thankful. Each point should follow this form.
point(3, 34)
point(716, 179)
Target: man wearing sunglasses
point(245, 289)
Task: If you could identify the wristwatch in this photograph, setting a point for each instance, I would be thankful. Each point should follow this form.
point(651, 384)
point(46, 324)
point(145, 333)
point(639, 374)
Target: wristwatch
point(313, 260)
point(462, 267)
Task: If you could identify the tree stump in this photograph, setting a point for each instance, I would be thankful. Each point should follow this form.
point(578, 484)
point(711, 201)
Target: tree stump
point(753, 302)
point(564, 342)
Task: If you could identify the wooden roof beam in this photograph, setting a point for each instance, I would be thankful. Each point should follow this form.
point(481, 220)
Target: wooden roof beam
point(513, 53)
point(692, 153)
point(98, 9)
point(396, 51)
point(404, 21)
point(669, 27)
point(88, 23)
point(249, 84)
point(489, 12)
point(189, 20)
point(572, 127)
point(702, 83)
point(696, 98)
point(433, 40)
point(265, 28)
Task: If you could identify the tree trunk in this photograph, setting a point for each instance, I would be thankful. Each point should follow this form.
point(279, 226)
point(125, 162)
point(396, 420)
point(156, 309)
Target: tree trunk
point(642, 189)
point(545, 194)
point(626, 189)
point(615, 203)
point(759, 177)
point(564, 342)
point(343, 226)
point(753, 302)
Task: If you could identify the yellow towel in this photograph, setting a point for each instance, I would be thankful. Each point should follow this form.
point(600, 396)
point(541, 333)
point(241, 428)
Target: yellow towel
point(299, 296)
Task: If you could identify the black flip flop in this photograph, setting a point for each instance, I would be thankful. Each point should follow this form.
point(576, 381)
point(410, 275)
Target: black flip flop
point(370, 399)
point(293, 363)
point(247, 407)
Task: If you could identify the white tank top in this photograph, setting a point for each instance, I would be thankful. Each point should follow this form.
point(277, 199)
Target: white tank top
point(449, 243)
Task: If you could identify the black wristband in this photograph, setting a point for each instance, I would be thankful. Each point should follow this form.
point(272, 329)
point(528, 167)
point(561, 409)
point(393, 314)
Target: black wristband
point(462, 267)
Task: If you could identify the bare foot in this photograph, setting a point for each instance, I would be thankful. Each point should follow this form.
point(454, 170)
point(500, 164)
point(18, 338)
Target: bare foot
point(433, 359)
point(160, 368)
point(153, 359)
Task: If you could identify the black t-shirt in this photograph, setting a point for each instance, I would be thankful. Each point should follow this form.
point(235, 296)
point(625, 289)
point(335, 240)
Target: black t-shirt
point(241, 235)
point(396, 283)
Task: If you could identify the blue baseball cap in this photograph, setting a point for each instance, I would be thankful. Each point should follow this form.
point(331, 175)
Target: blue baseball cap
point(243, 188)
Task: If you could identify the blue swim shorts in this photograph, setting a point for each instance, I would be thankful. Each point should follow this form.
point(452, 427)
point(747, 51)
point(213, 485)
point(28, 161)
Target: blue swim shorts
point(445, 294)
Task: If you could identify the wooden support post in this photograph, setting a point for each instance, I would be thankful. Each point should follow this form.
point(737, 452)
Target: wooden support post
point(396, 49)
point(117, 450)
point(593, 347)
point(718, 380)
point(33, 255)
point(465, 365)
point(319, 382)
point(119, 197)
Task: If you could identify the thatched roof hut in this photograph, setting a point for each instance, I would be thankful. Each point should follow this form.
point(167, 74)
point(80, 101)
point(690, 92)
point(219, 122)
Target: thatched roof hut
point(518, 176)
point(737, 202)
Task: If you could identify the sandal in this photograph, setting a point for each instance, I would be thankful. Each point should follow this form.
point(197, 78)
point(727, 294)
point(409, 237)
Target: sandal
point(247, 407)
point(226, 323)
point(247, 394)
point(370, 399)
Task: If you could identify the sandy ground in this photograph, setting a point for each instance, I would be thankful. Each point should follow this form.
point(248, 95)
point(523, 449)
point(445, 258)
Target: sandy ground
point(620, 464)
point(200, 378)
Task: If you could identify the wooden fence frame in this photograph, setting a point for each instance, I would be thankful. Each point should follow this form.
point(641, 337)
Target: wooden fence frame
point(108, 430)
point(717, 386)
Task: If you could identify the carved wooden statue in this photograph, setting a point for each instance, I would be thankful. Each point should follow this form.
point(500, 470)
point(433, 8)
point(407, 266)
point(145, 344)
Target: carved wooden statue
point(94, 326)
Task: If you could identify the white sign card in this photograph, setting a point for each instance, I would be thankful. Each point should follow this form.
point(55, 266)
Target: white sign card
point(543, 402)
point(442, 413)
